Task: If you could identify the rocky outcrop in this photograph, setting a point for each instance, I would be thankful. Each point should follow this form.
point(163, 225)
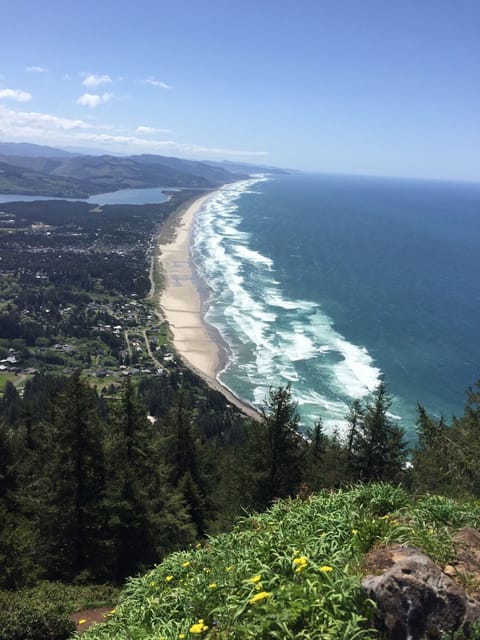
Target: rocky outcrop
point(416, 600)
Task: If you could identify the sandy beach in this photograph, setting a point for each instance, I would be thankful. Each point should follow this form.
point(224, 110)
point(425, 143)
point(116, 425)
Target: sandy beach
point(181, 305)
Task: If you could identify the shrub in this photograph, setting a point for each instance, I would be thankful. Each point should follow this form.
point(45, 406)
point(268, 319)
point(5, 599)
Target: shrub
point(41, 613)
point(23, 619)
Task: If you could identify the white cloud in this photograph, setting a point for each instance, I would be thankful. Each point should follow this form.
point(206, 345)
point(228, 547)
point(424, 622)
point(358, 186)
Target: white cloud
point(198, 150)
point(43, 127)
point(36, 69)
point(132, 144)
point(157, 83)
point(93, 100)
point(15, 94)
point(9, 117)
point(93, 80)
point(145, 131)
point(31, 125)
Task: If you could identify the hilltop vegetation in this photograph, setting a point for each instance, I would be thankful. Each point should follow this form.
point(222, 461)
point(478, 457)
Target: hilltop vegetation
point(291, 572)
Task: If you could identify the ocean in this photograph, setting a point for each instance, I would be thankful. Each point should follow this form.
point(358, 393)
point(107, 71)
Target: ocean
point(328, 282)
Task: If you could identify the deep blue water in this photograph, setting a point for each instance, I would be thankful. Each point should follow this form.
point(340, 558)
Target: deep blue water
point(328, 282)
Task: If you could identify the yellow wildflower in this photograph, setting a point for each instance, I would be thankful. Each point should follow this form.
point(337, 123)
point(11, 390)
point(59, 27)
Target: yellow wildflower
point(301, 563)
point(259, 596)
point(326, 568)
point(82, 621)
point(168, 578)
point(256, 579)
point(199, 627)
point(186, 564)
point(152, 584)
point(385, 517)
point(354, 532)
point(212, 585)
point(181, 636)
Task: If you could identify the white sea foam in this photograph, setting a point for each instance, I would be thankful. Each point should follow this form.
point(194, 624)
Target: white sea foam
point(244, 253)
point(356, 373)
point(274, 339)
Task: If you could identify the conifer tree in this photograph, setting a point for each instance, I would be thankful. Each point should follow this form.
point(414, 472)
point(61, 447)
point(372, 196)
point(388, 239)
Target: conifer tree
point(184, 459)
point(70, 492)
point(432, 455)
point(147, 515)
point(280, 447)
point(316, 449)
point(377, 447)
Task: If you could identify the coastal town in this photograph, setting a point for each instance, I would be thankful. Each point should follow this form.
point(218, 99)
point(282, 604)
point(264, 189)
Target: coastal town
point(80, 291)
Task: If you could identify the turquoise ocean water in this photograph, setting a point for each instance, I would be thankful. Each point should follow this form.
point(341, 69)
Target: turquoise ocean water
point(328, 282)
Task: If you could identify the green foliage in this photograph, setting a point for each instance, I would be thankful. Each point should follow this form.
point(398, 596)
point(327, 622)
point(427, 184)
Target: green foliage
point(26, 618)
point(276, 448)
point(472, 634)
point(41, 613)
point(445, 459)
point(291, 572)
point(377, 450)
point(380, 498)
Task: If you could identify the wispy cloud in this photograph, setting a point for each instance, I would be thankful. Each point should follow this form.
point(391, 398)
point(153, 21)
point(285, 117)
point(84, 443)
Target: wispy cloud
point(146, 131)
point(132, 143)
point(25, 123)
point(15, 94)
point(93, 100)
point(93, 80)
point(36, 69)
point(151, 80)
point(34, 126)
point(199, 150)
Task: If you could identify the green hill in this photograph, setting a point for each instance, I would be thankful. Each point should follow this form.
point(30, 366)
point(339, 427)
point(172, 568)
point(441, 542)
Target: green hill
point(80, 176)
point(292, 572)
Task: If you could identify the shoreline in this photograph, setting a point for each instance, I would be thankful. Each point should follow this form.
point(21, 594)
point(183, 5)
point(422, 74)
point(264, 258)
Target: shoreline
point(182, 303)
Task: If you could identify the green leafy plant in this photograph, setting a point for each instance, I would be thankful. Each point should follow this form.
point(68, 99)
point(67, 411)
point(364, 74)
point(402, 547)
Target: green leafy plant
point(292, 572)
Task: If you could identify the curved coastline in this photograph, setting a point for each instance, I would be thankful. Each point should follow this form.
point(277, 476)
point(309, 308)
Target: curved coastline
point(182, 302)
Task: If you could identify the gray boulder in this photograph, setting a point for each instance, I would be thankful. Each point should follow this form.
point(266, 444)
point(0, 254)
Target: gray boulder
point(416, 600)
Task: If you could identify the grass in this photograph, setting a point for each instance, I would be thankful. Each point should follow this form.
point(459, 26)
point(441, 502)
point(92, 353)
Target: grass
point(7, 377)
point(292, 572)
point(163, 335)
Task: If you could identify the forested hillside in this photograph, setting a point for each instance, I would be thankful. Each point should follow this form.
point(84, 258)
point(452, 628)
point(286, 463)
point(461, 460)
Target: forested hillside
point(82, 175)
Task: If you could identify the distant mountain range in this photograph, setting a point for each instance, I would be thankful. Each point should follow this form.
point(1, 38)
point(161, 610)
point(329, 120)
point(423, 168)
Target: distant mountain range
point(41, 170)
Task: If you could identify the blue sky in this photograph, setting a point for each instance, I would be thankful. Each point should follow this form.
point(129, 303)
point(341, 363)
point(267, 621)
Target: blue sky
point(346, 86)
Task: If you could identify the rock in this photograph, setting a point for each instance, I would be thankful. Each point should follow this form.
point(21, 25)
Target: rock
point(415, 599)
point(450, 570)
point(467, 547)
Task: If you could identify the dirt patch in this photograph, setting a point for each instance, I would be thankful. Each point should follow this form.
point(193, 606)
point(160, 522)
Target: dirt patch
point(84, 619)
